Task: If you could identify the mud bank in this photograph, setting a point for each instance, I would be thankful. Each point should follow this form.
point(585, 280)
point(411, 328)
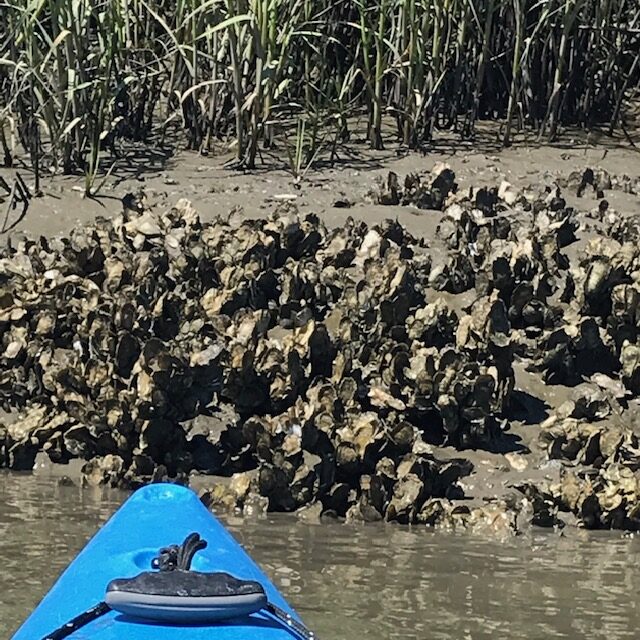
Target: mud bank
point(448, 344)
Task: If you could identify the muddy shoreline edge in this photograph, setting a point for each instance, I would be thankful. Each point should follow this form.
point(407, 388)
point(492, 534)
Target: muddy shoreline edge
point(588, 424)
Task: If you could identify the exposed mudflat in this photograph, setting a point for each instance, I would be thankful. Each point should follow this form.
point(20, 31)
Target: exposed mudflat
point(214, 190)
point(506, 466)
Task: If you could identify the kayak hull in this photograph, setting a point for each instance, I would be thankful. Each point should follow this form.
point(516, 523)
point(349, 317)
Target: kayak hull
point(154, 517)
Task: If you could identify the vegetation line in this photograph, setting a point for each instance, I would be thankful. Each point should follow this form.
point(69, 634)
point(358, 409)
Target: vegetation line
point(79, 76)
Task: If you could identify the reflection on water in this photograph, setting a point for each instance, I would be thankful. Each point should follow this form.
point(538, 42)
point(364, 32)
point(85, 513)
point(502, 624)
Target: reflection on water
point(375, 582)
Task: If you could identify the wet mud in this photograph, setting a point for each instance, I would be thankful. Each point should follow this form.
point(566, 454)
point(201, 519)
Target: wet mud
point(477, 369)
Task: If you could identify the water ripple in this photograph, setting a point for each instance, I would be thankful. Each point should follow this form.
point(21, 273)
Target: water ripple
point(380, 582)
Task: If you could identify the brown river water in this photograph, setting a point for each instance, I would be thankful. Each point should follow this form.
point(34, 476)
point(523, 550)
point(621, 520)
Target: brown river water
point(372, 581)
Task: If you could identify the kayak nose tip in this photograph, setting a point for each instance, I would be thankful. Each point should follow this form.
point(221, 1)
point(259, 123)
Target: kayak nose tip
point(164, 491)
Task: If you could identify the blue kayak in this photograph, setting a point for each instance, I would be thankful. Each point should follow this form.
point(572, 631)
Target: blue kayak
point(153, 518)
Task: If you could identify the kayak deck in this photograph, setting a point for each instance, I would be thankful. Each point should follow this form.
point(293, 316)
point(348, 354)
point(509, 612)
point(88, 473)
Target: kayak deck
point(154, 517)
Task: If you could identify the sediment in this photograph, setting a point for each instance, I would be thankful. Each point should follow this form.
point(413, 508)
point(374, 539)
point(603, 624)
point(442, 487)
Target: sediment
point(353, 372)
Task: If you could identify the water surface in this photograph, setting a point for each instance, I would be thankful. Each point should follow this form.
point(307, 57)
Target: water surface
point(376, 582)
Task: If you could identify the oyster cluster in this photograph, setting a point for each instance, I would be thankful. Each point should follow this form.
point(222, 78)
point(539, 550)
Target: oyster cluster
point(599, 483)
point(598, 181)
point(567, 319)
point(599, 453)
point(423, 192)
point(322, 370)
point(321, 349)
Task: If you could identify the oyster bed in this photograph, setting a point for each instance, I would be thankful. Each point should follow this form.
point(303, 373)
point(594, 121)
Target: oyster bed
point(349, 371)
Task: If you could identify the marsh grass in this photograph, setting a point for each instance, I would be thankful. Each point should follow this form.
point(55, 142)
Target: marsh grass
point(80, 78)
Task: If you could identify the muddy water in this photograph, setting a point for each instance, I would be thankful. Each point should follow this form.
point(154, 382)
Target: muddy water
point(374, 582)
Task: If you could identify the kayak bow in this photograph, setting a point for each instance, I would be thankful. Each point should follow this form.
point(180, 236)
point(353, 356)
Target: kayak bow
point(206, 588)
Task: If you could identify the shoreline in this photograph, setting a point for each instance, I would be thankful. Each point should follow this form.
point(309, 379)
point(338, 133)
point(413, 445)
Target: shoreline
point(519, 458)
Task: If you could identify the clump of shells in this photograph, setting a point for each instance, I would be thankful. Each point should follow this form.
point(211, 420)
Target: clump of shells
point(321, 347)
point(599, 483)
point(424, 192)
point(322, 370)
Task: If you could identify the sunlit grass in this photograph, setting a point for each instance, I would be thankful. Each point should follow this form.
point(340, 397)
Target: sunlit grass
point(77, 76)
